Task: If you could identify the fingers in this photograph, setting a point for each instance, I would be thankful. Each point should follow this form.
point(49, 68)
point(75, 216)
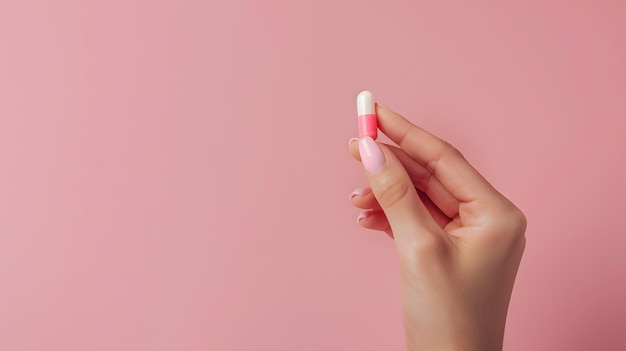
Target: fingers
point(422, 180)
point(363, 198)
point(373, 219)
point(408, 218)
point(446, 163)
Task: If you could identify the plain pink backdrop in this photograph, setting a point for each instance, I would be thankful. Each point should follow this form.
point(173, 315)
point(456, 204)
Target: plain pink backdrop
point(174, 174)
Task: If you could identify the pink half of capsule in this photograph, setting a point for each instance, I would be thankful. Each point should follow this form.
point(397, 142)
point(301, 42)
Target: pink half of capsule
point(366, 109)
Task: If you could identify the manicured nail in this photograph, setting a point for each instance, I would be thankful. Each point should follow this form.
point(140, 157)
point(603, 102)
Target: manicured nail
point(363, 215)
point(371, 154)
point(352, 140)
point(360, 192)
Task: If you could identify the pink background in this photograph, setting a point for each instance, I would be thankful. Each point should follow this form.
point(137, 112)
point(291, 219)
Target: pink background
point(174, 174)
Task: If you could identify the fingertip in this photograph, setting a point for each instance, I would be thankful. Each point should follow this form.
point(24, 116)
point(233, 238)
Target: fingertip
point(362, 191)
point(373, 219)
point(353, 148)
point(363, 198)
point(380, 108)
point(372, 156)
point(363, 215)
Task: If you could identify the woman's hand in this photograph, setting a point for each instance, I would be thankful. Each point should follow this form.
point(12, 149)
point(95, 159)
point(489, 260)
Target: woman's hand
point(459, 240)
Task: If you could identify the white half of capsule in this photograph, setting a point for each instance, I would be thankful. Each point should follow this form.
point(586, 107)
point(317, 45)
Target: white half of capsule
point(365, 103)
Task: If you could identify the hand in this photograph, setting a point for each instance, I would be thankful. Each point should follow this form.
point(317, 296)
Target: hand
point(459, 240)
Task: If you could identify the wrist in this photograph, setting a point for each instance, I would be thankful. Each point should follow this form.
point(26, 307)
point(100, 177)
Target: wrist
point(454, 339)
point(459, 344)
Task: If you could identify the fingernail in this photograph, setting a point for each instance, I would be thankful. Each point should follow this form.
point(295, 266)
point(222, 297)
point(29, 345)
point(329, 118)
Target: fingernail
point(371, 154)
point(381, 105)
point(352, 140)
point(360, 192)
point(363, 215)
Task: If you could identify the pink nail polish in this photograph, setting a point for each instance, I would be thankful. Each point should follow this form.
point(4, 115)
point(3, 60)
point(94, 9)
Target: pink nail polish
point(371, 155)
point(352, 140)
point(362, 216)
point(360, 192)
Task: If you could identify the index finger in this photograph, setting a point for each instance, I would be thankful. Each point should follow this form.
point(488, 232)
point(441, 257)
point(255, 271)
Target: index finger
point(445, 162)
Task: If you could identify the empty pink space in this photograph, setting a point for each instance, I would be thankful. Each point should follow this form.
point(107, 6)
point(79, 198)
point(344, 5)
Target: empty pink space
point(174, 174)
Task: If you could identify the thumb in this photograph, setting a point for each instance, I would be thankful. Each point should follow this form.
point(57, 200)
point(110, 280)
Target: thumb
point(409, 219)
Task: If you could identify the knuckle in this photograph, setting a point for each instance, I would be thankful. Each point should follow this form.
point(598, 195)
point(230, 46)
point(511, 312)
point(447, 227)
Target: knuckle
point(522, 242)
point(391, 189)
point(520, 222)
point(451, 150)
point(426, 247)
point(512, 223)
point(517, 221)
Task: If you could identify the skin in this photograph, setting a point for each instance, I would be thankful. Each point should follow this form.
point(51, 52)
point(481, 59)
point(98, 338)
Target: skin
point(459, 240)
